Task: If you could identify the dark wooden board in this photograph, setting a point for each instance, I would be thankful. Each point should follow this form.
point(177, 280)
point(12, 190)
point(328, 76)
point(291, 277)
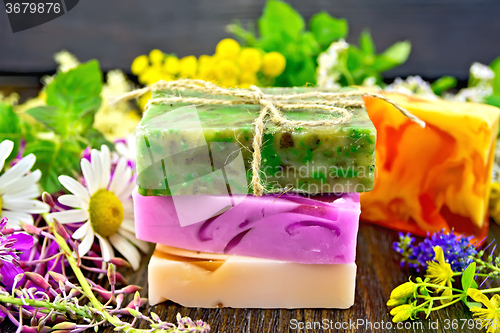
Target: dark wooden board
point(378, 273)
point(447, 35)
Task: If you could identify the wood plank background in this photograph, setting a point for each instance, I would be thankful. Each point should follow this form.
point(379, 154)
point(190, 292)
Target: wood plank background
point(378, 273)
point(447, 35)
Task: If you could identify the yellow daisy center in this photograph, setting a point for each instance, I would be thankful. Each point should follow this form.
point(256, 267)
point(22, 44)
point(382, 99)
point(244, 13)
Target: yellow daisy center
point(0, 203)
point(106, 213)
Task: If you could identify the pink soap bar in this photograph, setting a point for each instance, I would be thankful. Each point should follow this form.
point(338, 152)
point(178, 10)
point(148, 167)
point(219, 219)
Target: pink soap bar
point(290, 227)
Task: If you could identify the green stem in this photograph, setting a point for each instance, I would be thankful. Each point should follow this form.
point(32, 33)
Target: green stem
point(42, 304)
point(437, 286)
point(113, 320)
point(447, 304)
point(492, 290)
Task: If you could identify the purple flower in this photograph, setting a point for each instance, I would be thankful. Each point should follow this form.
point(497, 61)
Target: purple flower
point(457, 250)
point(11, 247)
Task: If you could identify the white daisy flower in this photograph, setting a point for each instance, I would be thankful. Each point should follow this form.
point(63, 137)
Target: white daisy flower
point(105, 206)
point(19, 189)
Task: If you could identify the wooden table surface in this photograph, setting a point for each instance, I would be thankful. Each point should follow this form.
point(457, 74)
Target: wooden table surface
point(378, 273)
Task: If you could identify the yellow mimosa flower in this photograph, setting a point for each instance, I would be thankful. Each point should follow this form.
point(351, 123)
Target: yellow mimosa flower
point(229, 83)
point(273, 64)
point(188, 67)
point(227, 49)
point(226, 70)
point(156, 56)
point(248, 77)
point(250, 60)
point(139, 65)
point(172, 65)
point(205, 60)
point(150, 76)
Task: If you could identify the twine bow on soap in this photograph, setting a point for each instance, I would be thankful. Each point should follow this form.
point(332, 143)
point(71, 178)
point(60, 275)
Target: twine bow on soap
point(272, 107)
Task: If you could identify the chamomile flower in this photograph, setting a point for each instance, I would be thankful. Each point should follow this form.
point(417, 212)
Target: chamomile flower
point(105, 207)
point(19, 189)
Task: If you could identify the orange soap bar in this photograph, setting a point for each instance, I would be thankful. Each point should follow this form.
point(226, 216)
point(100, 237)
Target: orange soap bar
point(432, 178)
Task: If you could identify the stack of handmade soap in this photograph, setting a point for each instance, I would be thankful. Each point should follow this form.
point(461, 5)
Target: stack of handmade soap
point(220, 245)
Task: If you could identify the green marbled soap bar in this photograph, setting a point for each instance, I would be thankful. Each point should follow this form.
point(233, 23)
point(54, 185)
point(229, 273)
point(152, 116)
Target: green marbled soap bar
point(181, 149)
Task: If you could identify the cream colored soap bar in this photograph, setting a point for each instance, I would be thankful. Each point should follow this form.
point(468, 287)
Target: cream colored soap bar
point(207, 280)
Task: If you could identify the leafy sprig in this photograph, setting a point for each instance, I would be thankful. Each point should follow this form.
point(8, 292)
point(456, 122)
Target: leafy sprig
point(281, 28)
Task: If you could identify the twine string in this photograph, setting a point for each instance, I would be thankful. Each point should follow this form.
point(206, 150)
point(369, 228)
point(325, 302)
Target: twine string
point(335, 103)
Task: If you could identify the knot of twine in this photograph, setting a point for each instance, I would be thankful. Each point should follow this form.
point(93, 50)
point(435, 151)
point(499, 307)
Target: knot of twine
point(271, 108)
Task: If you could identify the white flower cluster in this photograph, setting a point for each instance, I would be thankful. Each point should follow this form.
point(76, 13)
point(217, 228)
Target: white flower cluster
point(327, 73)
point(413, 85)
point(480, 85)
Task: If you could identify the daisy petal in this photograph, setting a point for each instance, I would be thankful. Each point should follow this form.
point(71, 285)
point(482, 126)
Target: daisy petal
point(17, 171)
point(105, 166)
point(74, 187)
point(127, 250)
point(106, 249)
point(72, 201)
point(142, 245)
point(128, 225)
point(82, 231)
point(15, 217)
point(6, 147)
point(22, 183)
point(89, 176)
point(29, 193)
point(27, 206)
point(127, 191)
point(96, 167)
point(118, 176)
point(86, 243)
point(70, 216)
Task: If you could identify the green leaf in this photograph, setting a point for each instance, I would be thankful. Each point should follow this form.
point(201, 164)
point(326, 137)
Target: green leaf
point(55, 158)
point(394, 56)
point(308, 45)
point(10, 127)
point(76, 91)
point(495, 66)
point(50, 117)
point(327, 29)
point(474, 305)
point(97, 139)
point(442, 84)
point(366, 43)
point(305, 74)
point(280, 18)
point(493, 100)
point(468, 276)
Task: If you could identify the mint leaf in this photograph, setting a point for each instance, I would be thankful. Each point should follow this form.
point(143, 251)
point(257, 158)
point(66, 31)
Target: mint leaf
point(442, 84)
point(96, 139)
point(394, 56)
point(279, 18)
point(50, 117)
point(366, 43)
point(55, 158)
point(75, 93)
point(10, 128)
point(327, 29)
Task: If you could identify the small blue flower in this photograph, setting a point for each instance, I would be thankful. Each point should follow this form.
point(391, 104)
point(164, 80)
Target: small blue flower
point(457, 250)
